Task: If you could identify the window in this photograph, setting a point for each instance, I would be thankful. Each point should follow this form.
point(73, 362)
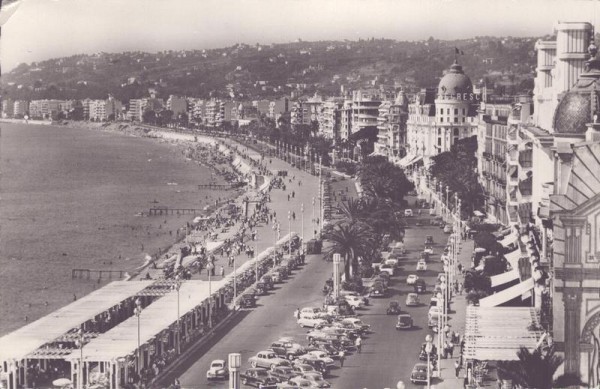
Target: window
point(441, 120)
point(463, 119)
point(464, 111)
point(448, 111)
point(439, 131)
point(440, 142)
point(456, 111)
point(455, 120)
point(441, 111)
point(456, 133)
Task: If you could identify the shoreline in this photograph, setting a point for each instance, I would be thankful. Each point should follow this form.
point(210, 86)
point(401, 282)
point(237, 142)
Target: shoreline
point(31, 306)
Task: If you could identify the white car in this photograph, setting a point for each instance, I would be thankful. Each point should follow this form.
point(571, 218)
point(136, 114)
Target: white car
point(389, 269)
point(355, 301)
point(357, 323)
point(412, 279)
point(352, 293)
point(421, 266)
point(310, 313)
point(217, 370)
point(408, 212)
point(311, 322)
point(322, 356)
point(428, 250)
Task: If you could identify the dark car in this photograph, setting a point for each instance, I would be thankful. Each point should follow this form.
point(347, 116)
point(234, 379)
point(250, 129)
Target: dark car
point(378, 289)
point(283, 373)
point(420, 286)
point(419, 374)
point(393, 308)
point(429, 240)
point(405, 322)
point(287, 349)
point(268, 280)
point(248, 300)
point(319, 366)
point(259, 378)
point(261, 288)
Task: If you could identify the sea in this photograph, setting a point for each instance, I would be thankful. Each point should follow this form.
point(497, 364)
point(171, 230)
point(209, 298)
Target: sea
point(73, 198)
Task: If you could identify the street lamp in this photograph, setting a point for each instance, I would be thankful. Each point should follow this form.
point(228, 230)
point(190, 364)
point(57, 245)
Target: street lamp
point(177, 286)
point(302, 227)
point(138, 312)
point(290, 233)
point(428, 349)
point(440, 301)
point(210, 266)
point(234, 280)
point(447, 204)
point(313, 217)
point(80, 342)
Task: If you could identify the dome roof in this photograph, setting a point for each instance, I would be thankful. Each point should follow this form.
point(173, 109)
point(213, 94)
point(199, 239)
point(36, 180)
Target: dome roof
point(580, 103)
point(455, 81)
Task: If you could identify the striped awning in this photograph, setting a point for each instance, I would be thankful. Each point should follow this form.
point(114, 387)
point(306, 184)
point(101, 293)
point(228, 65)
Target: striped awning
point(507, 294)
point(505, 278)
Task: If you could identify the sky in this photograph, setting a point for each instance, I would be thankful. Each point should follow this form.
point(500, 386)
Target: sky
point(43, 29)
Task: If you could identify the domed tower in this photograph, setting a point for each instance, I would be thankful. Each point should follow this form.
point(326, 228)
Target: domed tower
point(454, 103)
point(578, 112)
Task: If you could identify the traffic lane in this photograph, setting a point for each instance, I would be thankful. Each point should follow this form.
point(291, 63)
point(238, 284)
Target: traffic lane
point(270, 320)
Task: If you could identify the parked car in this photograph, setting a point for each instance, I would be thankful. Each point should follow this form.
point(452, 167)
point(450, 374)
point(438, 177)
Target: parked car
point(389, 269)
point(283, 373)
point(378, 290)
point(420, 286)
point(412, 278)
point(217, 370)
point(266, 359)
point(429, 239)
point(419, 374)
point(412, 300)
point(268, 280)
point(354, 293)
point(316, 380)
point(259, 378)
point(355, 302)
point(357, 323)
point(405, 322)
point(287, 349)
point(276, 277)
point(248, 300)
point(408, 212)
point(421, 265)
point(311, 322)
point(302, 368)
point(300, 382)
point(393, 308)
point(448, 229)
point(428, 249)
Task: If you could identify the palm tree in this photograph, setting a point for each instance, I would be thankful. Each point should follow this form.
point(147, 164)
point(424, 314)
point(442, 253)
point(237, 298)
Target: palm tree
point(535, 370)
point(351, 240)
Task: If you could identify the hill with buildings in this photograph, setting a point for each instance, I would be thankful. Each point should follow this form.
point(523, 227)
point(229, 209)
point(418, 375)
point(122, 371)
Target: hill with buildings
point(270, 71)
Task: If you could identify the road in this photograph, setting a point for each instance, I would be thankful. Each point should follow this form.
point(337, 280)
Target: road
point(388, 355)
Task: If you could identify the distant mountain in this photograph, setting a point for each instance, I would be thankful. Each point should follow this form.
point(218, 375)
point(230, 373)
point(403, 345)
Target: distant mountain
point(267, 71)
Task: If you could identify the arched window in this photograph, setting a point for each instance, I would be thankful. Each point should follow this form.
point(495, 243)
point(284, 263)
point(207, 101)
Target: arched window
point(456, 132)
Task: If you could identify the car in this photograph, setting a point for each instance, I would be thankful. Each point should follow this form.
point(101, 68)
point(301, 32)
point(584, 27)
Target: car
point(322, 356)
point(311, 312)
point(266, 359)
point(434, 311)
point(393, 308)
point(320, 335)
point(428, 249)
point(259, 378)
point(248, 300)
point(421, 265)
point(300, 382)
point(389, 269)
point(408, 212)
point(378, 289)
point(268, 280)
point(433, 302)
point(347, 329)
point(383, 278)
point(311, 322)
point(302, 368)
point(429, 239)
point(276, 277)
point(355, 301)
point(283, 373)
point(217, 370)
point(287, 349)
point(391, 261)
point(412, 278)
point(405, 322)
point(420, 286)
point(412, 300)
point(316, 380)
point(354, 293)
point(357, 323)
point(448, 229)
point(441, 277)
point(419, 374)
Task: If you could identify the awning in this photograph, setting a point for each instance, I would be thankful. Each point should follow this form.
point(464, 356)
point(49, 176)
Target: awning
point(507, 294)
point(406, 159)
point(29, 338)
point(489, 336)
point(505, 278)
point(510, 239)
point(513, 258)
point(415, 160)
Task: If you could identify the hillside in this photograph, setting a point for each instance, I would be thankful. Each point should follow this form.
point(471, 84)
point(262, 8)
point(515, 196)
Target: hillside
point(265, 71)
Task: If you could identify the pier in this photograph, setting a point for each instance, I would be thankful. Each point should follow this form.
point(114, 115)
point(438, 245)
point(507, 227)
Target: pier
point(175, 211)
point(107, 274)
point(220, 186)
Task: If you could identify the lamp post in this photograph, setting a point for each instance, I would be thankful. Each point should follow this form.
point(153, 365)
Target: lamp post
point(80, 342)
point(290, 233)
point(302, 227)
point(177, 286)
point(235, 363)
point(428, 349)
point(337, 259)
point(234, 280)
point(313, 216)
point(321, 195)
point(447, 204)
point(138, 312)
point(440, 298)
point(210, 267)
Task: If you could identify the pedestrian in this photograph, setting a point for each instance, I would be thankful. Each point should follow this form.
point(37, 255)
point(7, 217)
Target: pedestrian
point(222, 271)
point(342, 357)
point(451, 350)
point(460, 288)
point(456, 368)
point(298, 313)
point(358, 344)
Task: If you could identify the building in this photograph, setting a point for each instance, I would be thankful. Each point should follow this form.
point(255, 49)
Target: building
point(212, 113)
point(8, 107)
point(44, 109)
point(20, 108)
point(306, 110)
point(278, 108)
point(103, 110)
point(330, 118)
point(391, 138)
point(439, 118)
point(365, 109)
point(136, 109)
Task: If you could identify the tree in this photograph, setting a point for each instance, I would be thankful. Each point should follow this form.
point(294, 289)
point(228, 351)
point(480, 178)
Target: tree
point(149, 117)
point(535, 369)
point(350, 240)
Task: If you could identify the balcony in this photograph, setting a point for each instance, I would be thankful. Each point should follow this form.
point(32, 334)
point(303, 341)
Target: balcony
point(487, 155)
point(525, 188)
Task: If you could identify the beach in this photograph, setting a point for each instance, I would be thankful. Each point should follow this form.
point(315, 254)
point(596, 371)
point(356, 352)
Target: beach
point(72, 198)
